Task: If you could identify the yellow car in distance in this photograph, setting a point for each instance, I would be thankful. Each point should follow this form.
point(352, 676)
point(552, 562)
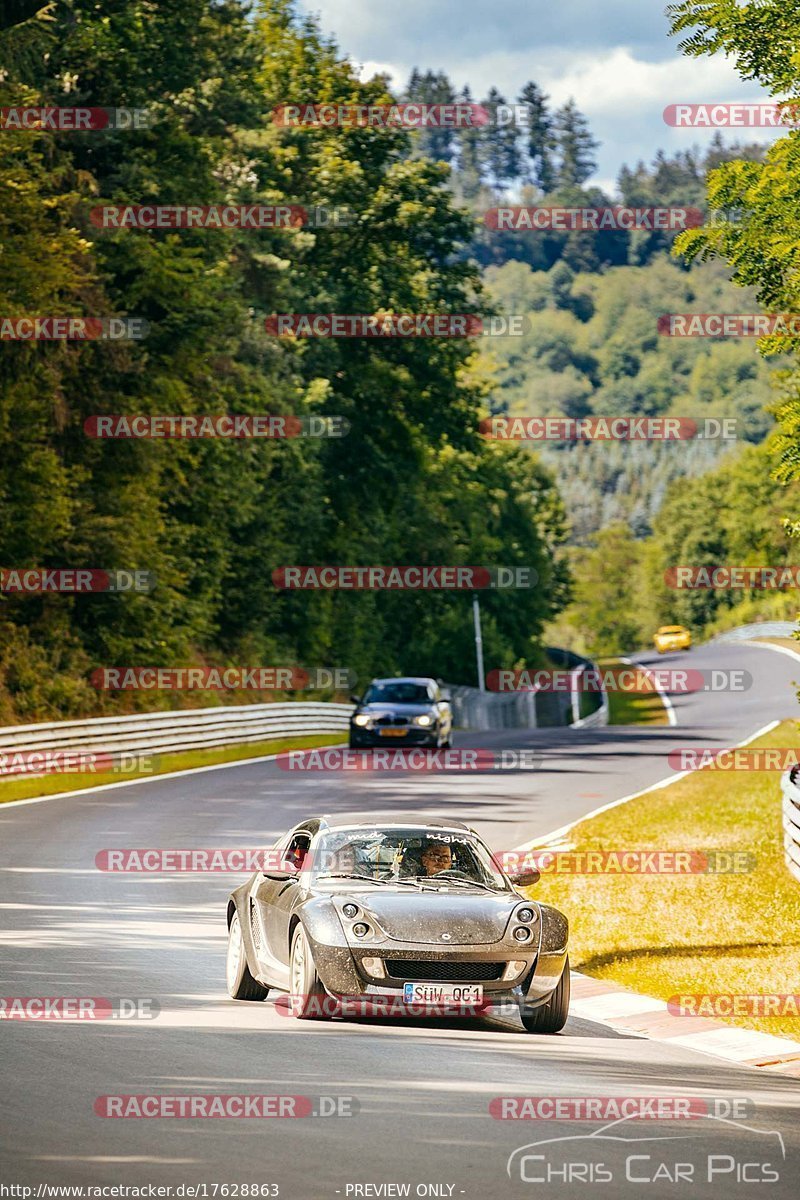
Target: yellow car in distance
point(672, 637)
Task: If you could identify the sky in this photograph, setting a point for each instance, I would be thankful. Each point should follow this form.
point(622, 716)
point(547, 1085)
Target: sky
point(615, 57)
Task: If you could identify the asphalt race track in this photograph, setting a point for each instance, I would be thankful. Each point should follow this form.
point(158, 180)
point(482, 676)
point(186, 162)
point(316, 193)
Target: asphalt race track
point(422, 1089)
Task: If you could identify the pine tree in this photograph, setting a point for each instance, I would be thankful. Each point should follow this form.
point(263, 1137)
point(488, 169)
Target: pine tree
point(540, 141)
point(576, 147)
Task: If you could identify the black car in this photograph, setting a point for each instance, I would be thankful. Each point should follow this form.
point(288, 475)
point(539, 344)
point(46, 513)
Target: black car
point(412, 711)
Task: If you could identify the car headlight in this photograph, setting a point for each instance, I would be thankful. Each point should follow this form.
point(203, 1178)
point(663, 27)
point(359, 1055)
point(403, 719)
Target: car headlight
point(361, 719)
point(521, 934)
point(423, 720)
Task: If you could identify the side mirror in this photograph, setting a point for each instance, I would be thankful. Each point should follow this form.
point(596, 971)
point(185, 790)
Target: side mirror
point(526, 878)
point(355, 700)
point(286, 870)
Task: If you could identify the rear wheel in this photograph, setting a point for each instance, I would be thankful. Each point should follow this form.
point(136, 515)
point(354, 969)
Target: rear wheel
point(552, 1016)
point(241, 984)
point(309, 998)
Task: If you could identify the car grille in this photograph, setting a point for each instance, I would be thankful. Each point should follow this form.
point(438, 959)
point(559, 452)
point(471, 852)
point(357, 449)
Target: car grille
point(392, 721)
point(426, 971)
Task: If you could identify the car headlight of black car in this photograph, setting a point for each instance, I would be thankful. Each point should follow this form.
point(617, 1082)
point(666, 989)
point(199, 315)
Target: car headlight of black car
point(362, 720)
point(425, 720)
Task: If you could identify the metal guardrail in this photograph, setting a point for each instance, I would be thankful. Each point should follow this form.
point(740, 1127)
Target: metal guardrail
point(576, 708)
point(205, 728)
point(768, 629)
point(592, 719)
point(187, 729)
point(474, 709)
point(791, 821)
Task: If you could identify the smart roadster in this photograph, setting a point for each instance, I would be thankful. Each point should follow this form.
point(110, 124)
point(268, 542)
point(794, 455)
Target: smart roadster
point(413, 910)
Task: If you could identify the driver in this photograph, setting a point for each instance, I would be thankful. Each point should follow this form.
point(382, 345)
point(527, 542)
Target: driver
point(436, 857)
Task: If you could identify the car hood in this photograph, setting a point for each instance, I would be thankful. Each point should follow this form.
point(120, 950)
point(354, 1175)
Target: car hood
point(471, 918)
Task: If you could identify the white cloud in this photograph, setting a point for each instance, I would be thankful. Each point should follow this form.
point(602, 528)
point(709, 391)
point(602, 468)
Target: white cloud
point(621, 69)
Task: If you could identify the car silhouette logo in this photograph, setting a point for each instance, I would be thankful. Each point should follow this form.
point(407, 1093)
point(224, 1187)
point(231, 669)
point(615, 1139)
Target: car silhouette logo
point(615, 1132)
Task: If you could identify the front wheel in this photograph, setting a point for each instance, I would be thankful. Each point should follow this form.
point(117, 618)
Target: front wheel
point(552, 1016)
point(241, 984)
point(308, 995)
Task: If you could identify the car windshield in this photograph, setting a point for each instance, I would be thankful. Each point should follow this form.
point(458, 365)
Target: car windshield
point(434, 856)
point(397, 692)
point(671, 629)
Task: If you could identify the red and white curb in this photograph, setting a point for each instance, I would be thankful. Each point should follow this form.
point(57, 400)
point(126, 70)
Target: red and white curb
point(625, 1011)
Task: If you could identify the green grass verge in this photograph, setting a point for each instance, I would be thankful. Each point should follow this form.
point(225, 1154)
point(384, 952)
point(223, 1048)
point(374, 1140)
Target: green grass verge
point(669, 934)
point(48, 785)
point(632, 708)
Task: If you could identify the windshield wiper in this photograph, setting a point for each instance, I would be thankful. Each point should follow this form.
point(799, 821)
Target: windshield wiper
point(465, 883)
point(416, 882)
point(350, 875)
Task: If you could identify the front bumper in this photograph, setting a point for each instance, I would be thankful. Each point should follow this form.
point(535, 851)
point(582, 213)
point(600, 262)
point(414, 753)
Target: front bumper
point(340, 968)
point(412, 735)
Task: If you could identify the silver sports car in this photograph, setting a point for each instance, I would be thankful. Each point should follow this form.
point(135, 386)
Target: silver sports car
point(404, 908)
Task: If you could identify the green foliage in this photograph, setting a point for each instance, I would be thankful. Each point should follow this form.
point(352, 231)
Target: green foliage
point(727, 516)
point(212, 519)
point(593, 349)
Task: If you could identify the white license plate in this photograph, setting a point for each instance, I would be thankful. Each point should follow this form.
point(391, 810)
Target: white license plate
point(442, 993)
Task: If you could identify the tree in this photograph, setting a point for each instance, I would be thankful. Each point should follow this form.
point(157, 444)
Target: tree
point(576, 147)
point(539, 138)
point(432, 87)
point(501, 152)
point(762, 244)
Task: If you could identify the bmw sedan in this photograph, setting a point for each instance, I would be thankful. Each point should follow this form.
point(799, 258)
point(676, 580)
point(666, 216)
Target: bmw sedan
point(400, 910)
point(402, 712)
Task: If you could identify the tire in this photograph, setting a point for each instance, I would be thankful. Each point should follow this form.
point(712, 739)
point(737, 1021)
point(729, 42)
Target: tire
point(552, 1016)
point(241, 984)
point(310, 1001)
